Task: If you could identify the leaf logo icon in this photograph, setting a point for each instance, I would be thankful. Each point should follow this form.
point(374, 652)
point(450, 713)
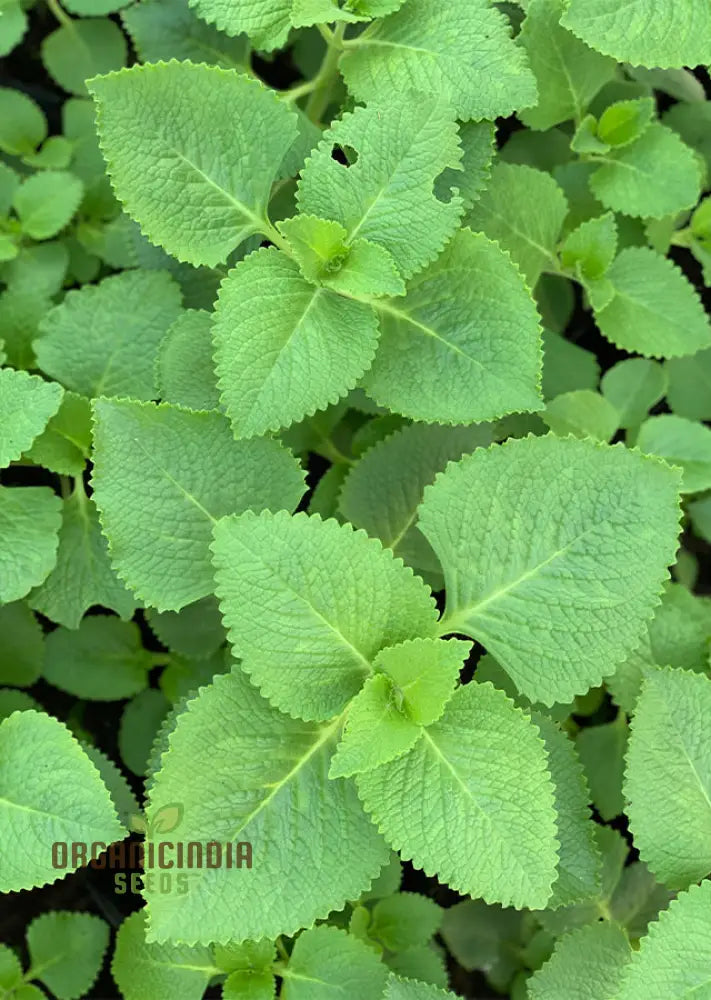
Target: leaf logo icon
point(167, 819)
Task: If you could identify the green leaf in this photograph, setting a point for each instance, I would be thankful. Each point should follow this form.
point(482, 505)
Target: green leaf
point(674, 959)
point(484, 937)
point(500, 842)
point(64, 445)
point(15, 701)
point(14, 25)
point(566, 366)
point(97, 347)
point(644, 32)
point(82, 576)
point(586, 964)
point(266, 24)
point(23, 126)
point(691, 122)
point(591, 248)
point(46, 202)
point(67, 951)
point(278, 576)
point(625, 121)
point(283, 348)
point(425, 672)
point(244, 767)
point(78, 51)
point(689, 391)
point(26, 404)
point(194, 472)
point(634, 386)
point(477, 141)
point(431, 366)
point(602, 751)
point(579, 862)
point(654, 176)
point(193, 632)
point(168, 29)
point(22, 645)
point(157, 115)
point(249, 986)
point(409, 989)
point(327, 961)
point(591, 540)
point(56, 796)
point(568, 73)
point(655, 310)
point(140, 723)
point(376, 730)
point(425, 962)
point(668, 776)
point(523, 209)
point(387, 195)
point(582, 413)
point(683, 443)
point(29, 523)
point(383, 490)
point(56, 153)
point(145, 971)
point(185, 372)
point(121, 794)
point(102, 659)
point(404, 920)
point(461, 53)
point(10, 969)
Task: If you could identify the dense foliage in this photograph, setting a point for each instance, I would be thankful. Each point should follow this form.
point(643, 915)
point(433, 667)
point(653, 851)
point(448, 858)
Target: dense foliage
point(355, 500)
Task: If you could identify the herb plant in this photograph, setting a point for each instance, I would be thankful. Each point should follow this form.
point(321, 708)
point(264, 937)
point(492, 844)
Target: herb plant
point(355, 500)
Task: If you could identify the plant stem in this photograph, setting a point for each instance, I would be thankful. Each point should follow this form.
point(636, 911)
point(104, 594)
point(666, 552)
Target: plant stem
point(59, 12)
point(327, 74)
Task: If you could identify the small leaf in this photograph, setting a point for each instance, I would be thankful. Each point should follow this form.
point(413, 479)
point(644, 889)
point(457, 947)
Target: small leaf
point(683, 443)
point(67, 950)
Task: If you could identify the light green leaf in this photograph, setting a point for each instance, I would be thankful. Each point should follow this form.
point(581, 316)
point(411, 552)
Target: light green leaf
point(195, 472)
point(674, 959)
point(691, 122)
point(524, 210)
point(668, 776)
point(67, 951)
point(278, 576)
point(266, 24)
point(95, 345)
point(29, 523)
point(602, 751)
point(566, 366)
point(26, 404)
point(582, 413)
point(376, 730)
point(207, 187)
point(485, 759)
point(700, 514)
point(78, 51)
point(249, 986)
point(63, 447)
point(168, 29)
point(57, 796)
point(579, 862)
point(383, 490)
point(462, 53)
point(145, 971)
point(655, 176)
point(10, 969)
point(196, 631)
point(590, 536)
point(689, 392)
point(121, 794)
point(431, 366)
point(404, 920)
point(644, 32)
point(586, 964)
point(591, 248)
point(426, 963)
point(387, 196)
point(409, 989)
point(82, 576)
point(477, 141)
point(23, 126)
point(13, 25)
point(185, 372)
point(634, 386)
point(253, 775)
point(22, 648)
point(425, 672)
point(683, 443)
point(655, 310)
point(327, 961)
point(283, 348)
point(624, 121)
point(46, 202)
point(102, 659)
point(568, 73)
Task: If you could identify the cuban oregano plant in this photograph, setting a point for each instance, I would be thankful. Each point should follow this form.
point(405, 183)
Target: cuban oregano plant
point(355, 499)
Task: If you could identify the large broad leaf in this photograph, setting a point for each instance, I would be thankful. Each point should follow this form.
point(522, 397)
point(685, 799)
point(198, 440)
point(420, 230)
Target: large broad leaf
point(67, 950)
point(27, 403)
point(192, 152)
point(464, 344)
point(162, 477)
point(248, 774)
point(644, 32)
point(554, 552)
point(306, 633)
point(327, 961)
point(52, 796)
point(284, 347)
point(586, 964)
point(29, 522)
point(674, 959)
point(461, 52)
point(387, 196)
point(169, 29)
point(267, 24)
point(668, 776)
point(472, 801)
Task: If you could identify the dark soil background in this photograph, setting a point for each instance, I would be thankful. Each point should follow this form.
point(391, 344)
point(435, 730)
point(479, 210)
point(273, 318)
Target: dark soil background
point(93, 890)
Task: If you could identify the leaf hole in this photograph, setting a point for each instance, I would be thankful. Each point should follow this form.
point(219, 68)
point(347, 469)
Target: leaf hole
point(345, 155)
